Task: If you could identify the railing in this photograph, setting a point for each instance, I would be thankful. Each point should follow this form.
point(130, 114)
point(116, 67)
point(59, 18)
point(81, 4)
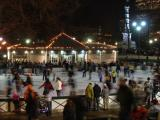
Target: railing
point(58, 103)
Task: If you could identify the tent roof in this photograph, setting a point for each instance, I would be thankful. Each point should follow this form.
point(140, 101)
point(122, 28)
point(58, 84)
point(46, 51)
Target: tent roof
point(64, 41)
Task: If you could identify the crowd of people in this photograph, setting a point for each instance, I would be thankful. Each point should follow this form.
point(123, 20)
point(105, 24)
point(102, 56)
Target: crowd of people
point(131, 93)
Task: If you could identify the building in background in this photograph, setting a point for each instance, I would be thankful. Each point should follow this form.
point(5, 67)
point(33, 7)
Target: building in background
point(148, 4)
point(63, 47)
point(149, 10)
point(127, 35)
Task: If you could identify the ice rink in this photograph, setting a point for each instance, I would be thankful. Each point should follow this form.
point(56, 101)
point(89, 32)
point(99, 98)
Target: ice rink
point(81, 82)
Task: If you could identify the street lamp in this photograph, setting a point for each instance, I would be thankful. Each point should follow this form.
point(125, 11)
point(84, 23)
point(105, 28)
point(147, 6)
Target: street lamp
point(62, 52)
point(89, 40)
point(26, 52)
point(51, 55)
point(143, 23)
point(13, 53)
point(42, 52)
point(138, 25)
point(100, 55)
point(82, 51)
point(116, 43)
point(75, 54)
point(84, 54)
point(4, 55)
point(115, 55)
point(138, 28)
point(155, 39)
point(28, 41)
point(134, 24)
point(150, 41)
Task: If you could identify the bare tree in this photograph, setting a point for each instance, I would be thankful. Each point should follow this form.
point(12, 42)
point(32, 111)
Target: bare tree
point(37, 19)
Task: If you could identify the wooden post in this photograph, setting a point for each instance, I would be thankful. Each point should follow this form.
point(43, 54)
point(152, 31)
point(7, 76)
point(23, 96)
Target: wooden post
point(9, 105)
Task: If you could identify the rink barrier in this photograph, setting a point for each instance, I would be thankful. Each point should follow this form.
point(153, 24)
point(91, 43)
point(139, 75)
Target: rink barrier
point(58, 103)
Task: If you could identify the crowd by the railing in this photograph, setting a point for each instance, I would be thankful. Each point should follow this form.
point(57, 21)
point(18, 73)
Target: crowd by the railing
point(94, 99)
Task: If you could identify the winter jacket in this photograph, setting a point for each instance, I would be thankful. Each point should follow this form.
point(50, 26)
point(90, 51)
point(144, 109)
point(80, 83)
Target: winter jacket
point(58, 85)
point(114, 73)
point(29, 89)
point(125, 97)
point(89, 92)
point(97, 91)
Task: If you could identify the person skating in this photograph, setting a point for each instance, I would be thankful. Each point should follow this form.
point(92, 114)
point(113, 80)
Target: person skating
point(47, 87)
point(58, 86)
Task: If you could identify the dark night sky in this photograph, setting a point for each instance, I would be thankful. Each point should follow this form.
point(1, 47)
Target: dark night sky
point(91, 14)
point(105, 13)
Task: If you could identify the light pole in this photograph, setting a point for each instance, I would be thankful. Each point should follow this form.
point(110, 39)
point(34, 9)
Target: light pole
point(13, 53)
point(115, 55)
point(150, 41)
point(75, 55)
point(3, 45)
point(26, 53)
point(51, 56)
point(100, 55)
point(153, 45)
point(138, 26)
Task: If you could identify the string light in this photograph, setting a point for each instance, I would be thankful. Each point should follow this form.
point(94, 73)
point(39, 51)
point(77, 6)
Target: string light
point(71, 38)
point(85, 46)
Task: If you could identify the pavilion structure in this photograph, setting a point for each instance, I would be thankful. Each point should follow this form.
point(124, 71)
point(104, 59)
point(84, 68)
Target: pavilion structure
point(64, 47)
point(19, 52)
point(101, 52)
point(59, 48)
